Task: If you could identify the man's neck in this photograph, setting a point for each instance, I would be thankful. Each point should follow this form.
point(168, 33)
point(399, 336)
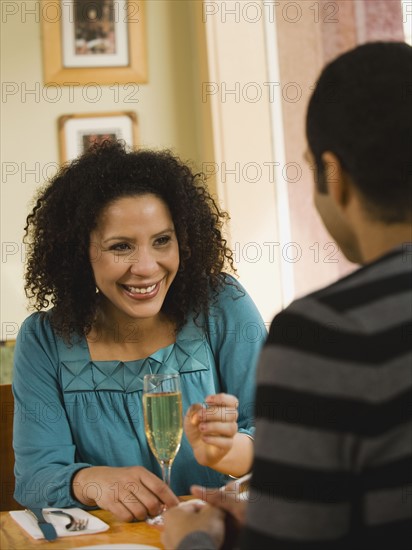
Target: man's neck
point(377, 239)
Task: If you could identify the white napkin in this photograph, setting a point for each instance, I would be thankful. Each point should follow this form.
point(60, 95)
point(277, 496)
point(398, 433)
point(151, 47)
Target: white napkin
point(29, 524)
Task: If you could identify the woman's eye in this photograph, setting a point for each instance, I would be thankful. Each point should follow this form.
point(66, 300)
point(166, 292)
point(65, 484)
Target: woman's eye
point(161, 241)
point(120, 247)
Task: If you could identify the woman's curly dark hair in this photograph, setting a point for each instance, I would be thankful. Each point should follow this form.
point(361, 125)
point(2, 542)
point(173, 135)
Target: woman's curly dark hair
point(58, 231)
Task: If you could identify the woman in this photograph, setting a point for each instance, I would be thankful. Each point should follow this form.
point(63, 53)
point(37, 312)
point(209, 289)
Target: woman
point(127, 247)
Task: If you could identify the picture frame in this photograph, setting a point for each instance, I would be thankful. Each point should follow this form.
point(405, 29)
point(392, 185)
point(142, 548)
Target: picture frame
point(77, 132)
point(93, 41)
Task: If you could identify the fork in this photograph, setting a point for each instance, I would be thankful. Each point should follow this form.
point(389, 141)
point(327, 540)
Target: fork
point(75, 524)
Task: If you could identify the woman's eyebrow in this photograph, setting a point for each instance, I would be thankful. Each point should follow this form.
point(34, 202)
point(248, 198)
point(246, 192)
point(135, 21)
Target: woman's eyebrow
point(169, 230)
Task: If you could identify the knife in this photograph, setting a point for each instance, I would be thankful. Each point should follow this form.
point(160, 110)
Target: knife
point(46, 528)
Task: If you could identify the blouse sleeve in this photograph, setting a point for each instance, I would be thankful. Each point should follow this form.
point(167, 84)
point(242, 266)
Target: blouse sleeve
point(44, 451)
point(237, 333)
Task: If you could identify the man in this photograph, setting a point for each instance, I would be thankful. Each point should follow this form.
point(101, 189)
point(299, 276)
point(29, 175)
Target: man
point(333, 459)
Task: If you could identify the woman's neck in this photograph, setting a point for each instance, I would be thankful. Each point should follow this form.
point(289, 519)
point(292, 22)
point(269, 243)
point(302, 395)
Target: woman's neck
point(119, 338)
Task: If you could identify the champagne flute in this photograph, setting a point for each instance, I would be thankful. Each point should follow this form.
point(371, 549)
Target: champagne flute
point(163, 420)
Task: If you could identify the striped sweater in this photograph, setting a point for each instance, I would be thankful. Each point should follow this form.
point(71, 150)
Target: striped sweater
point(333, 462)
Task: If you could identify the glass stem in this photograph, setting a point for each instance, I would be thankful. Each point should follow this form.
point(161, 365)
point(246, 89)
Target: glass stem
point(166, 471)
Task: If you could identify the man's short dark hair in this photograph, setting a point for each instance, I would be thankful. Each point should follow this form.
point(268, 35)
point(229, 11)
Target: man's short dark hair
point(361, 110)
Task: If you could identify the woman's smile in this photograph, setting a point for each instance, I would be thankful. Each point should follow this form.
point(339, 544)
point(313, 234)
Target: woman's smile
point(142, 292)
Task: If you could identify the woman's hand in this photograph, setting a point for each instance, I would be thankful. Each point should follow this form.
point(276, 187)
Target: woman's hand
point(129, 492)
point(211, 429)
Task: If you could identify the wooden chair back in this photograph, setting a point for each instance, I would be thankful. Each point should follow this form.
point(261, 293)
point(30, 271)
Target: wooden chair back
point(7, 480)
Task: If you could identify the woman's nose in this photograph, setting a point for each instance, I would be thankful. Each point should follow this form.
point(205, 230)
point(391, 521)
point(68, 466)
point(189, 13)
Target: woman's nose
point(143, 262)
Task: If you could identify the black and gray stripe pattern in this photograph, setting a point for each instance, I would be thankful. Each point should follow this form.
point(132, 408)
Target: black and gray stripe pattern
point(333, 464)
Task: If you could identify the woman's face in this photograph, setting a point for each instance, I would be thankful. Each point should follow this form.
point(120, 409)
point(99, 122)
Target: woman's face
point(134, 255)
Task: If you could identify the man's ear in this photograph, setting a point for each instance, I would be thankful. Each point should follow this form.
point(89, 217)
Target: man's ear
point(336, 179)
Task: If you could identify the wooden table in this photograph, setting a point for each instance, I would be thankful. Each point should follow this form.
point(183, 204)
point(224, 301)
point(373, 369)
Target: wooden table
point(13, 537)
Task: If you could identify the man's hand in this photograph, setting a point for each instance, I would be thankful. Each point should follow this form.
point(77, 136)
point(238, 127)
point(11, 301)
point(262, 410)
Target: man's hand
point(189, 517)
point(226, 499)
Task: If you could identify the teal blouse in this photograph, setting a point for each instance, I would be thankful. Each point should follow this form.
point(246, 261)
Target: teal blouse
point(72, 412)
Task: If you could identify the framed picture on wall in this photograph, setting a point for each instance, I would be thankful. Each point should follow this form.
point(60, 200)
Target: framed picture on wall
point(78, 132)
point(99, 41)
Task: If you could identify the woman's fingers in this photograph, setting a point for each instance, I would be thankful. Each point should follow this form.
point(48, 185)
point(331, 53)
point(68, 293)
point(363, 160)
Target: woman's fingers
point(223, 399)
point(142, 503)
point(211, 427)
point(192, 414)
point(127, 507)
point(217, 444)
point(218, 414)
point(223, 429)
point(220, 407)
point(129, 492)
point(157, 487)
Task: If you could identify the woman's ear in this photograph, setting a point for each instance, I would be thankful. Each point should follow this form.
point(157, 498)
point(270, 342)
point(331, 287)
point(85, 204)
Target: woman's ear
point(337, 181)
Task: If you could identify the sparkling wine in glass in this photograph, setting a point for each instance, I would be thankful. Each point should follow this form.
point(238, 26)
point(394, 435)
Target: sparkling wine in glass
point(163, 419)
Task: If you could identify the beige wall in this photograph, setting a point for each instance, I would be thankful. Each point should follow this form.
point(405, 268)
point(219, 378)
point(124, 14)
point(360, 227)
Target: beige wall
point(265, 57)
point(244, 150)
point(169, 110)
point(305, 46)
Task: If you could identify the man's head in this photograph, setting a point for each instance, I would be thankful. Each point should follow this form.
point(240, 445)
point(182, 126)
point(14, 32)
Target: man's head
point(361, 112)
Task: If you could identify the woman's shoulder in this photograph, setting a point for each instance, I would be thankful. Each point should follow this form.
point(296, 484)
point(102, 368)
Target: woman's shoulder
point(233, 298)
point(36, 324)
point(230, 288)
point(37, 329)
point(36, 338)
point(232, 315)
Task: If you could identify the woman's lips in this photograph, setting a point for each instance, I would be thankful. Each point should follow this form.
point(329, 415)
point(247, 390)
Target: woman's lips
point(141, 292)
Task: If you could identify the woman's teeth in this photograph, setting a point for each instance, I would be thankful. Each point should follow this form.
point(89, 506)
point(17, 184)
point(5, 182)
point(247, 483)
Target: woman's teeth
point(137, 290)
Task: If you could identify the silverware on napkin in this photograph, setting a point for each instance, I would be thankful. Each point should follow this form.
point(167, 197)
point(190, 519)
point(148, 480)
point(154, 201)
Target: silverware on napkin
point(75, 524)
point(46, 528)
